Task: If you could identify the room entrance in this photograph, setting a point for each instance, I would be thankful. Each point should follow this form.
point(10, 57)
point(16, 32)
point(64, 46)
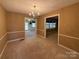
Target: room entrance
point(52, 28)
point(30, 27)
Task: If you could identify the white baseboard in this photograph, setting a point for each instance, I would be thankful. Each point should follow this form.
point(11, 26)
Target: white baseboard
point(15, 40)
point(7, 43)
point(69, 49)
point(3, 50)
point(4, 45)
point(15, 32)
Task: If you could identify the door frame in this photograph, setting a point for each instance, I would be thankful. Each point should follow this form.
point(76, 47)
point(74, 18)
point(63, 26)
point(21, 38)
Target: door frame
point(58, 24)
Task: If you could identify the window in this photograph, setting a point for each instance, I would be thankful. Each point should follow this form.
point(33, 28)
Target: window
point(26, 26)
point(33, 24)
point(47, 25)
point(50, 25)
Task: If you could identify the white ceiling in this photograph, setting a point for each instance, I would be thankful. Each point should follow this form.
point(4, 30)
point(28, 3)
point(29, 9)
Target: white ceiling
point(44, 6)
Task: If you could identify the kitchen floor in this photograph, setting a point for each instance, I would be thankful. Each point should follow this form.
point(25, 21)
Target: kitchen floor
point(34, 47)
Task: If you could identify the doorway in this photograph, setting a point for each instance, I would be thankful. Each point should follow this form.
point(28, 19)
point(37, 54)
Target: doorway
point(51, 27)
point(30, 27)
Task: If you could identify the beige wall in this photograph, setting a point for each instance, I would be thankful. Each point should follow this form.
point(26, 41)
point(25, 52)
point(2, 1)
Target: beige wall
point(15, 25)
point(69, 27)
point(3, 29)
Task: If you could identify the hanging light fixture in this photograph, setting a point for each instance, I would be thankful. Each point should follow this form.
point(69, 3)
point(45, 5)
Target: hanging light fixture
point(34, 13)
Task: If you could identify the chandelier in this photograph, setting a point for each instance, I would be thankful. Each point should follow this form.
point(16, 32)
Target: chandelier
point(34, 13)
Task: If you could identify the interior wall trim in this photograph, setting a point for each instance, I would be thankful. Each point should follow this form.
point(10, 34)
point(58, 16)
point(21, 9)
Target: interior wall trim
point(3, 36)
point(15, 32)
point(9, 41)
point(69, 49)
point(69, 36)
point(4, 45)
point(15, 40)
point(3, 50)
